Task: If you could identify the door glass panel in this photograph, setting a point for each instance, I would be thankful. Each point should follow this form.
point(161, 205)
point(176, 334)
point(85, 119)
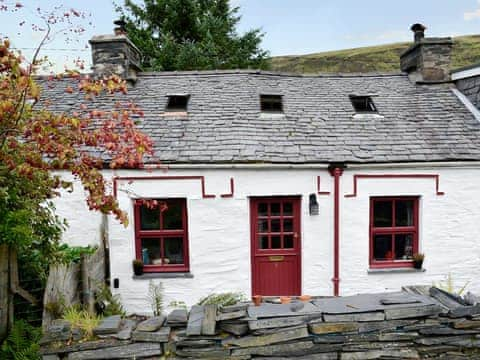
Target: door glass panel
point(262, 209)
point(382, 247)
point(275, 223)
point(276, 243)
point(287, 225)
point(149, 218)
point(263, 243)
point(262, 225)
point(151, 251)
point(288, 241)
point(287, 209)
point(404, 212)
point(382, 213)
point(172, 217)
point(173, 251)
point(403, 246)
point(275, 209)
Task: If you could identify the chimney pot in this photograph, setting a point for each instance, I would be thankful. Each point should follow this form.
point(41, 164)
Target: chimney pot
point(121, 28)
point(418, 31)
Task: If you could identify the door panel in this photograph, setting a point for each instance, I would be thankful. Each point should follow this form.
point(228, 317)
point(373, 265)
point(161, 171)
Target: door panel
point(276, 246)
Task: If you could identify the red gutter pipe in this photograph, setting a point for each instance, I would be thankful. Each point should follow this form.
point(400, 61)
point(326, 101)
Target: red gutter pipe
point(336, 172)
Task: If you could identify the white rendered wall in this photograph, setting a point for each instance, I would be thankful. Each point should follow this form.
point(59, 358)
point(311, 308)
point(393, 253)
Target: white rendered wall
point(219, 232)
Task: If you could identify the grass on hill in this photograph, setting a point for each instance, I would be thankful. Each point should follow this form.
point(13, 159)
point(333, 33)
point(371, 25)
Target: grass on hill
point(382, 58)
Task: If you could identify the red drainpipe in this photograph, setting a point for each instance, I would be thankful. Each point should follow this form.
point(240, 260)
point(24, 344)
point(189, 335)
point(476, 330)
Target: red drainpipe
point(336, 172)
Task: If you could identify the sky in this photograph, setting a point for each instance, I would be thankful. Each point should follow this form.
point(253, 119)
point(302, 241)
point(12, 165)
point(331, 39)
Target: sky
point(291, 27)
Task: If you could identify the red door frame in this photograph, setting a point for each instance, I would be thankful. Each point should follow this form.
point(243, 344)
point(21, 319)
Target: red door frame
point(295, 251)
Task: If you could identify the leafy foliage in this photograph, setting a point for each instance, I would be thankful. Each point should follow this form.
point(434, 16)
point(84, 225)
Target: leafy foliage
point(191, 35)
point(223, 299)
point(449, 286)
point(108, 303)
point(82, 320)
point(155, 296)
point(68, 254)
point(22, 342)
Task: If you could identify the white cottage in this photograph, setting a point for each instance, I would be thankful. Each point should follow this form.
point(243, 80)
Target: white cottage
point(281, 184)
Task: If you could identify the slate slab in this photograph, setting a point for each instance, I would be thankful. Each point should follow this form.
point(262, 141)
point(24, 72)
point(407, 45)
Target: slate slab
point(293, 349)
point(277, 322)
point(447, 299)
point(322, 328)
point(234, 308)
point(280, 336)
point(137, 350)
point(445, 330)
point(413, 312)
point(195, 319)
point(267, 310)
point(160, 336)
point(152, 324)
point(222, 316)
point(238, 329)
point(464, 311)
point(209, 319)
point(381, 354)
point(364, 303)
point(360, 317)
point(82, 346)
point(466, 324)
point(126, 328)
point(108, 325)
point(177, 317)
point(322, 356)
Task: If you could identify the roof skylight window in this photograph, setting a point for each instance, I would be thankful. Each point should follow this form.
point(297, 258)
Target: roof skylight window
point(363, 104)
point(271, 103)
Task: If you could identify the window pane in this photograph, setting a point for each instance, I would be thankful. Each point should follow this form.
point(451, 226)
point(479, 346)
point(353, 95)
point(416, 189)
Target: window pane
point(275, 209)
point(404, 212)
point(287, 225)
point(172, 217)
point(173, 251)
point(263, 243)
point(262, 225)
point(275, 225)
point(276, 244)
point(382, 213)
point(287, 209)
point(262, 209)
point(288, 241)
point(382, 247)
point(403, 246)
point(149, 218)
point(151, 252)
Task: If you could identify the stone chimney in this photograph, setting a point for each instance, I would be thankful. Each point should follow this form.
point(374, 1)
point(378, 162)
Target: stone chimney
point(115, 54)
point(428, 59)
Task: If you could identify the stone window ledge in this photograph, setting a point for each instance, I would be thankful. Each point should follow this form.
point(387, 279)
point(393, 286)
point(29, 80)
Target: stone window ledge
point(170, 275)
point(395, 271)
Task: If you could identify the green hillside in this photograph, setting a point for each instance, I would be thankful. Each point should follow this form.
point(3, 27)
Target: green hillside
point(383, 58)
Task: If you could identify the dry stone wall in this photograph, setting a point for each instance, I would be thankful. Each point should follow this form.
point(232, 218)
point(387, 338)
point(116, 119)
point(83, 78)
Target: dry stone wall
point(416, 323)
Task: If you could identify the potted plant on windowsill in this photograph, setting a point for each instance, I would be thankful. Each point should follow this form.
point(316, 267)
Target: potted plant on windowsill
point(137, 267)
point(418, 260)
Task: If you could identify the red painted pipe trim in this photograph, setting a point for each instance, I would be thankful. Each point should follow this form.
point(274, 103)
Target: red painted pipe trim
point(134, 178)
point(356, 177)
point(336, 173)
point(318, 188)
point(232, 190)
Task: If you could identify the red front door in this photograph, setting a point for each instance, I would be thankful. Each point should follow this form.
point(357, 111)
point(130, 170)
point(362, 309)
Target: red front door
point(276, 246)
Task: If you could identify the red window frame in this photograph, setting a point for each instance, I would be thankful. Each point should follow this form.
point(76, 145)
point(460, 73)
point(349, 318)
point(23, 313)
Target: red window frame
point(162, 234)
point(393, 230)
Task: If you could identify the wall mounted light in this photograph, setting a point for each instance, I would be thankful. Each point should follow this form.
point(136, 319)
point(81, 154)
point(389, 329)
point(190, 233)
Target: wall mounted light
point(313, 205)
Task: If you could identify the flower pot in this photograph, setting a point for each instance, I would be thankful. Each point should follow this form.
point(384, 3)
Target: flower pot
point(305, 298)
point(257, 300)
point(417, 264)
point(285, 299)
point(138, 271)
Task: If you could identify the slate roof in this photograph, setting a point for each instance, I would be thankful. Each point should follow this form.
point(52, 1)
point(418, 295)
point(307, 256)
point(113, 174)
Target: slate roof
point(224, 124)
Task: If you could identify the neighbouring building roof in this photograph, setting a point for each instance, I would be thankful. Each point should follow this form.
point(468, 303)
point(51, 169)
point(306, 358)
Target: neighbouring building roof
point(415, 122)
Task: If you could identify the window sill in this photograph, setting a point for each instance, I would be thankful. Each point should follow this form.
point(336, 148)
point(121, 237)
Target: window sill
point(165, 275)
point(405, 270)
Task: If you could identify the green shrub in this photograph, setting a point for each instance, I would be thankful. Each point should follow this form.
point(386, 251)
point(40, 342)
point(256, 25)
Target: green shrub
point(155, 296)
point(22, 342)
point(107, 303)
point(82, 320)
point(223, 299)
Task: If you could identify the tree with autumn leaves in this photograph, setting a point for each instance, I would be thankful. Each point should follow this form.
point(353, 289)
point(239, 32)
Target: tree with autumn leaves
point(37, 144)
